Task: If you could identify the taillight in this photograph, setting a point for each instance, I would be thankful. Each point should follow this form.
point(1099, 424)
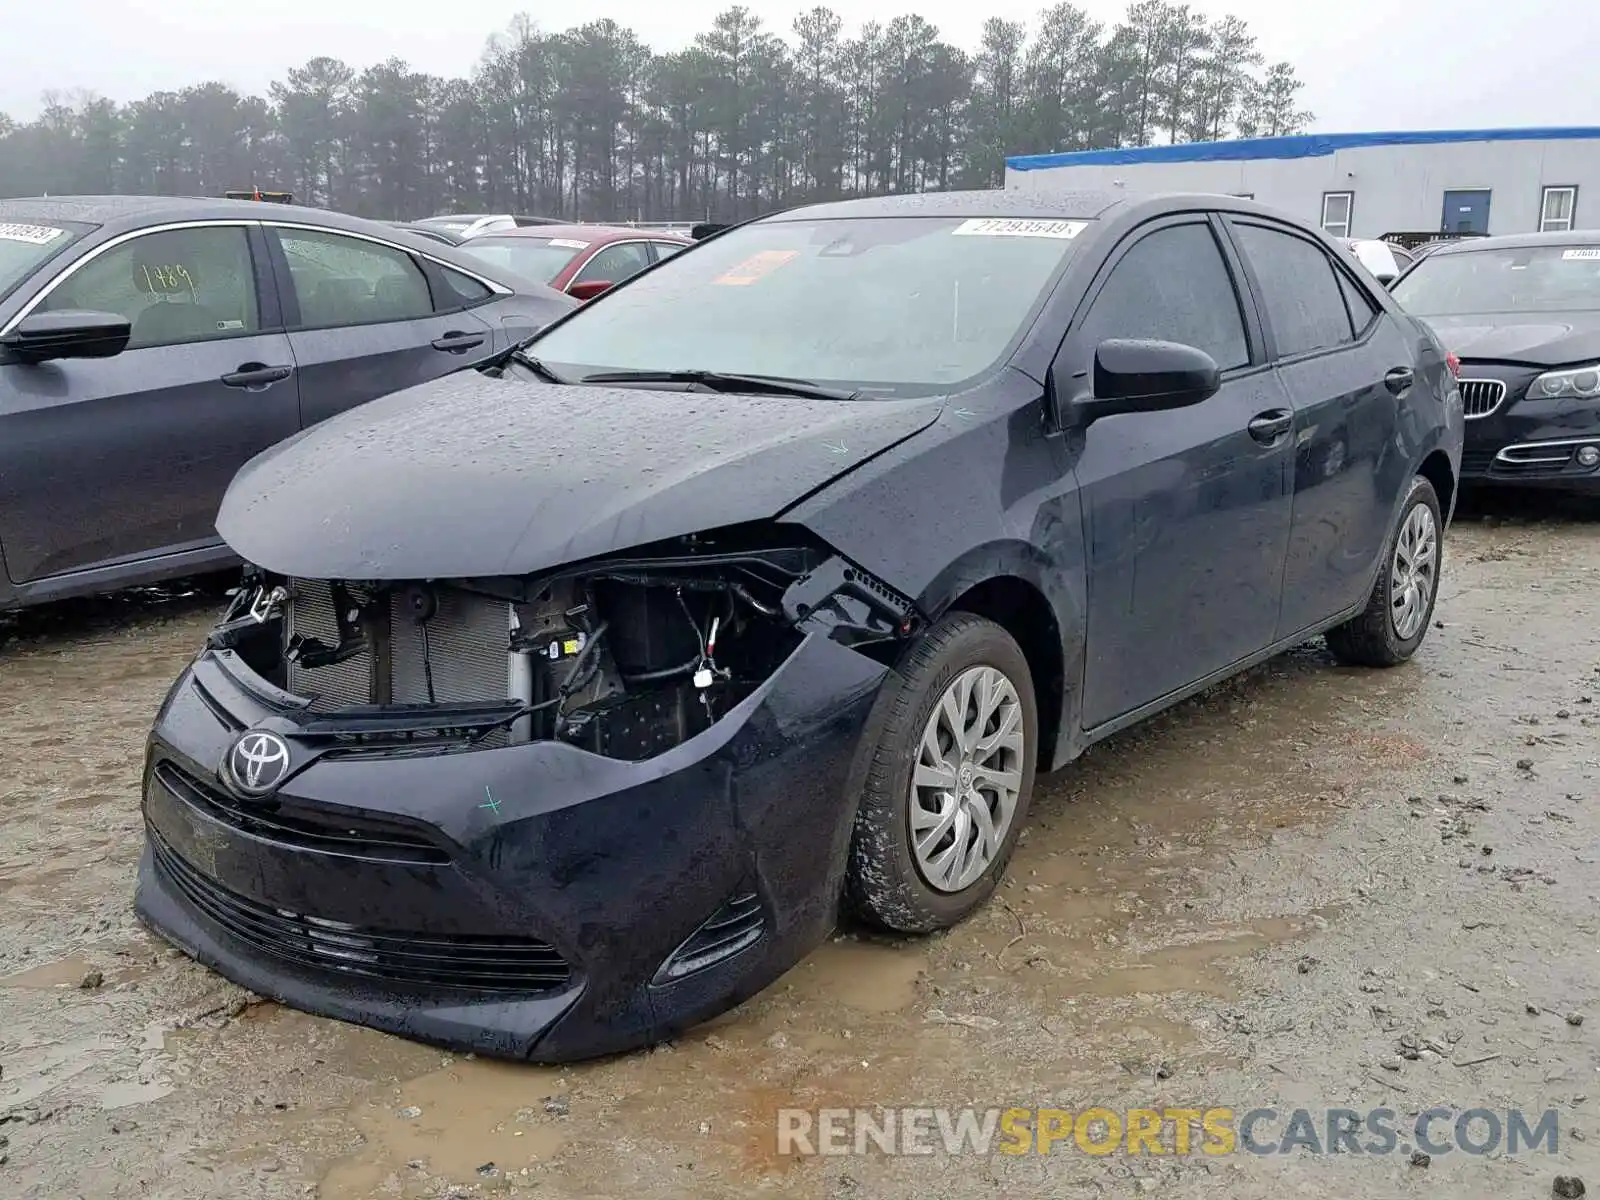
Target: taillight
point(1454, 363)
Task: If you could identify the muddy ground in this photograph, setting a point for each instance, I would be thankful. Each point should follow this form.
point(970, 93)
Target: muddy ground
point(1311, 887)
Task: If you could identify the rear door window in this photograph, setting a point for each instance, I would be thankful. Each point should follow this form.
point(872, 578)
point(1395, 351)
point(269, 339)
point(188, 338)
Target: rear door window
point(341, 280)
point(1301, 290)
point(1172, 286)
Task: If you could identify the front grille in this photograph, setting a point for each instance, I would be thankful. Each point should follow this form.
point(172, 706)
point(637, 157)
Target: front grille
point(469, 964)
point(325, 832)
point(466, 652)
point(1477, 462)
point(1480, 397)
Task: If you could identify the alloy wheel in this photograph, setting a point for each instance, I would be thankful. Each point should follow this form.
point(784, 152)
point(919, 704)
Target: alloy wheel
point(967, 779)
point(1414, 572)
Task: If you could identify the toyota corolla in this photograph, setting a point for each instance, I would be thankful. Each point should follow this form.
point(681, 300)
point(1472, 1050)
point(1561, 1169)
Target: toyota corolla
point(568, 699)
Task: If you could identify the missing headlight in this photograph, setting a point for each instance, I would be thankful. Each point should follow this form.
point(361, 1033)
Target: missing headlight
point(625, 657)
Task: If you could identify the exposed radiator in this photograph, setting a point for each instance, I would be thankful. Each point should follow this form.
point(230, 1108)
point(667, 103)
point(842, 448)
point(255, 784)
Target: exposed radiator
point(310, 612)
point(467, 644)
point(468, 641)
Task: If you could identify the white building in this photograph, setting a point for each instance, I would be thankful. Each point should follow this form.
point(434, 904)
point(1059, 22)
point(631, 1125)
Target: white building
point(1363, 184)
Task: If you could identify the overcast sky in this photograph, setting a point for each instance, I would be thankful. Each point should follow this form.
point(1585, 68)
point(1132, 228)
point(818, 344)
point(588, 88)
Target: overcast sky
point(1367, 64)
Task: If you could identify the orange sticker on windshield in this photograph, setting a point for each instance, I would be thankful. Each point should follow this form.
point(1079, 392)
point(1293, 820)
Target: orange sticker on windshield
point(757, 266)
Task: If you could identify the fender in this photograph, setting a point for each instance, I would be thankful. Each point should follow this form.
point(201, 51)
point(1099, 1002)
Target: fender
point(1062, 586)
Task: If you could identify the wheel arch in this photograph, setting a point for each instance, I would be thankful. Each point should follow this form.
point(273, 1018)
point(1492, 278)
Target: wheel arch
point(1435, 468)
point(1040, 604)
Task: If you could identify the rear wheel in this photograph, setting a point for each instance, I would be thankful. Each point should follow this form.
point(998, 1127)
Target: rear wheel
point(1400, 609)
point(948, 786)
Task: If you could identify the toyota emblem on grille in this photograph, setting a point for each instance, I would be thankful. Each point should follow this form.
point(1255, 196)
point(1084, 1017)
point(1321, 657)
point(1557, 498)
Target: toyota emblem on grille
point(258, 762)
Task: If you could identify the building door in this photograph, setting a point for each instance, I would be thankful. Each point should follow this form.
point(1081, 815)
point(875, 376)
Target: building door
point(1466, 211)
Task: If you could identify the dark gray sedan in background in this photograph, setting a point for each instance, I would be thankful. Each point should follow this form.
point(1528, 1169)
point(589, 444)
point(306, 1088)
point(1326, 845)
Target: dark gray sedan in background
point(1522, 314)
point(150, 346)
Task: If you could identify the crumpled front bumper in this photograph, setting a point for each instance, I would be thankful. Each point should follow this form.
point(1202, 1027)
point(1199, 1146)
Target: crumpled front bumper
point(521, 901)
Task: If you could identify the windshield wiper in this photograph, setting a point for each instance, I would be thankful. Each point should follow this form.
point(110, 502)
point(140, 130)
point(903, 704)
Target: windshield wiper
point(723, 381)
point(522, 358)
point(517, 354)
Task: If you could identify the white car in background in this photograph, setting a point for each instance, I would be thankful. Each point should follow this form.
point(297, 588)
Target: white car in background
point(1385, 260)
point(470, 225)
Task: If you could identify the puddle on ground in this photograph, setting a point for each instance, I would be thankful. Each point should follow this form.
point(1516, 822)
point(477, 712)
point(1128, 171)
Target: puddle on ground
point(1198, 967)
point(64, 972)
point(867, 976)
point(38, 1070)
point(467, 1123)
point(128, 1092)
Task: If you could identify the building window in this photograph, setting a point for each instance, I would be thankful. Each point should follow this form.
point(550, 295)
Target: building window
point(1336, 209)
point(1559, 206)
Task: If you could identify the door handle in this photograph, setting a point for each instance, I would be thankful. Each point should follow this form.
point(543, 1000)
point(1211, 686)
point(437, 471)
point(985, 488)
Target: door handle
point(456, 341)
point(1271, 425)
point(255, 376)
point(1399, 380)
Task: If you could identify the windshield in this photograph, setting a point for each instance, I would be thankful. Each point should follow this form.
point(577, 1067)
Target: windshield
point(26, 246)
point(1535, 279)
point(896, 305)
point(530, 257)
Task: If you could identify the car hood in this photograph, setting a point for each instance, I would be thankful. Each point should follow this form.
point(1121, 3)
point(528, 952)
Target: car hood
point(476, 476)
point(1539, 340)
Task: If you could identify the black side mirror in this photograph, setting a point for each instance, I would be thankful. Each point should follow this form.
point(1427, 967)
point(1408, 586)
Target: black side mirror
point(1133, 376)
point(70, 333)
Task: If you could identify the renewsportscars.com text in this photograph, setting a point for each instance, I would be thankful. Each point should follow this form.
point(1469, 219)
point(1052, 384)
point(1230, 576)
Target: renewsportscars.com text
point(1166, 1131)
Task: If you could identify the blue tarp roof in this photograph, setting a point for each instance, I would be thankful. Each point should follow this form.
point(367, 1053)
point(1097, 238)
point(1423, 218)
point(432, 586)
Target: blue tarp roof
point(1304, 145)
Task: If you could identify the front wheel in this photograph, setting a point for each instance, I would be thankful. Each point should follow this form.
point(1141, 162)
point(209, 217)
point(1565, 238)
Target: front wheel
point(1398, 613)
point(948, 786)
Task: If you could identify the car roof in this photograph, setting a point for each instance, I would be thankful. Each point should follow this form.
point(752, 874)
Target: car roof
point(120, 214)
point(1512, 241)
point(587, 233)
point(1019, 205)
point(992, 202)
point(132, 212)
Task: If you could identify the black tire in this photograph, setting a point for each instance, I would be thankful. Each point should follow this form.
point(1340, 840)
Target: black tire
point(883, 884)
point(1370, 640)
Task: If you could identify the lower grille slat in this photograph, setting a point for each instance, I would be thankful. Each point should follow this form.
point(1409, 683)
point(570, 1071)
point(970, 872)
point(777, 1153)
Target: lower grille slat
point(325, 832)
point(494, 964)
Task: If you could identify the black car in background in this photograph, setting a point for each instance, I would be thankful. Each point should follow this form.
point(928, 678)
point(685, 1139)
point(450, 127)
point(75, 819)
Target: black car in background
point(568, 698)
point(1522, 314)
point(150, 346)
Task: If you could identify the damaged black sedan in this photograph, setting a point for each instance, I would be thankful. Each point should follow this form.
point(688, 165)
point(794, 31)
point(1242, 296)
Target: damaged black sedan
point(569, 698)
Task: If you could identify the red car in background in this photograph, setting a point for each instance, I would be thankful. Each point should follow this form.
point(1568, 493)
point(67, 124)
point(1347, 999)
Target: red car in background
point(581, 260)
